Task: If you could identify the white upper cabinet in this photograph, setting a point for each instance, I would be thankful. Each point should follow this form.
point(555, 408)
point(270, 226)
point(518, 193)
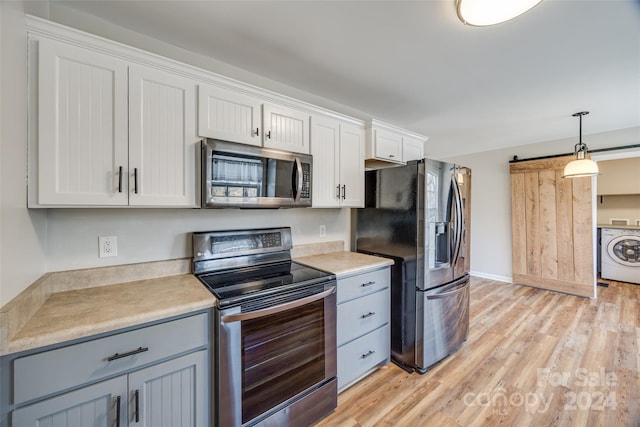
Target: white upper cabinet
point(388, 143)
point(162, 138)
point(352, 166)
point(338, 163)
point(233, 116)
point(81, 129)
point(412, 149)
point(110, 133)
point(285, 129)
point(229, 116)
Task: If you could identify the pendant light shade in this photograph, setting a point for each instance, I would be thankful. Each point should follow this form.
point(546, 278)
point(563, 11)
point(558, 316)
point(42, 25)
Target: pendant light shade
point(581, 166)
point(489, 12)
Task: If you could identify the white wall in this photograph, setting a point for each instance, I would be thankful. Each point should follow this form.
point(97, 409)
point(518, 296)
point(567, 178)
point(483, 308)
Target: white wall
point(157, 234)
point(619, 207)
point(491, 195)
point(22, 232)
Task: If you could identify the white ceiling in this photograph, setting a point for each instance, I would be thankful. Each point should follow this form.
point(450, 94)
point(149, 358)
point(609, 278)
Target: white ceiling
point(414, 64)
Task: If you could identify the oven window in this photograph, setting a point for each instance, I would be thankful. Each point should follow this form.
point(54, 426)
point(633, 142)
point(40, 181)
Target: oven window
point(283, 355)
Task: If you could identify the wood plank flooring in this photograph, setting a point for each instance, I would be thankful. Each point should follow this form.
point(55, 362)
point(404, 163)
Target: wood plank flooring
point(532, 358)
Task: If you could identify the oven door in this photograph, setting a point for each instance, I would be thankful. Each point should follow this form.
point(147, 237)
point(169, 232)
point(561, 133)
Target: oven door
point(277, 355)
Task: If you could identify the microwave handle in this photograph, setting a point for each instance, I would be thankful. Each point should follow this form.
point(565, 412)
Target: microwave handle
point(296, 179)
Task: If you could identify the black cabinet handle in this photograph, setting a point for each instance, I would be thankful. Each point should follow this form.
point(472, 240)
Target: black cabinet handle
point(364, 285)
point(127, 354)
point(369, 314)
point(135, 180)
point(344, 192)
point(370, 353)
point(338, 191)
point(256, 132)
point(391, 156)
point(118, 411)
point(268, 135)
point(136, 405)
point(120, 179)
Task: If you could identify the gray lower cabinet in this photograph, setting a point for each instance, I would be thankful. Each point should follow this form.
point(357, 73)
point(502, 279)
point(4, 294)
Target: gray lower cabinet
point(161, 379)
point(93, 406)
point(363, 316)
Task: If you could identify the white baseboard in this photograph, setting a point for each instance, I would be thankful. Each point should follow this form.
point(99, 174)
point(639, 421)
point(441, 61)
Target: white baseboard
point(489, 276)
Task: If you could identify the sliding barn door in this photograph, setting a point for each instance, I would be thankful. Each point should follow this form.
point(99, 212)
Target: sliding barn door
point(552, 227)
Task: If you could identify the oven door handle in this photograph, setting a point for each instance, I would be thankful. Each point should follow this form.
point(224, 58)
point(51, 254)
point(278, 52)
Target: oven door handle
point(238, 317)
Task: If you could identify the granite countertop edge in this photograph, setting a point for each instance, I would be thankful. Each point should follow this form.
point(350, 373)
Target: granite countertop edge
point(344, 263)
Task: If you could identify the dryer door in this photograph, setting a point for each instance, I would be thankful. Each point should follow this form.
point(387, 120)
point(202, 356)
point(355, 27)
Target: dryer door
point(625, 250)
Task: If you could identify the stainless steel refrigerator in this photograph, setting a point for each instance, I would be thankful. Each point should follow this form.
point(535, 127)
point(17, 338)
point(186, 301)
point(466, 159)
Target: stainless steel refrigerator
point(417, 215)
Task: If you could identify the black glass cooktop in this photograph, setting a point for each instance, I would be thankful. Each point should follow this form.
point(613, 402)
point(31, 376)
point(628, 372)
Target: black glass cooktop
point(236, 285)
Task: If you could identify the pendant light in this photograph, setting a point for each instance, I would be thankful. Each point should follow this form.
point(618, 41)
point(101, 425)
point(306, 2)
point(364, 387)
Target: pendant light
point(481, 13)
point(581, 166)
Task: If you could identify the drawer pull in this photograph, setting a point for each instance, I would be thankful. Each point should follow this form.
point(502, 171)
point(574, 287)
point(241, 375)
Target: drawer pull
point(369, 314)
point(127, 354)
point(369, 353)
point(118, 411)
point(136, 401)
point(364, 285)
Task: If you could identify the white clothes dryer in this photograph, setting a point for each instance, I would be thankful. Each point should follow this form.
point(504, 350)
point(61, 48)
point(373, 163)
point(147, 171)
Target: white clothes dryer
point(620, 255)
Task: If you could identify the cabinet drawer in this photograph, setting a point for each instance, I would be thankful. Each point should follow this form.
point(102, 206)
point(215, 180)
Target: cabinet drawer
point(362, 315)
point(362, 355)
point(362, 284)
point(56, 370)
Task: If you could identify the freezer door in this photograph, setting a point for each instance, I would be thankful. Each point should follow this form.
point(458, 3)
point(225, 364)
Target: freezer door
point(443, 322)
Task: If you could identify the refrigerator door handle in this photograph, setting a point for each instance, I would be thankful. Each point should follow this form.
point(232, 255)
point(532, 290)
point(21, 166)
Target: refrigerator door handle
point(458, 218)
point(455, 290)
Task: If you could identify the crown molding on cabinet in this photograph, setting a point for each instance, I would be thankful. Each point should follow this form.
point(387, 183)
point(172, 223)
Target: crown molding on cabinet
point(40, 27)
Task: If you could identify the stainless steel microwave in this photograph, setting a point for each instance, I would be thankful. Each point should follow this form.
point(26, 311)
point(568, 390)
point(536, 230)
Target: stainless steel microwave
point(246, 176)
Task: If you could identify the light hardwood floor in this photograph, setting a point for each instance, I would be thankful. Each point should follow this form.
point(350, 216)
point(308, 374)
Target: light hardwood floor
point(532, 358)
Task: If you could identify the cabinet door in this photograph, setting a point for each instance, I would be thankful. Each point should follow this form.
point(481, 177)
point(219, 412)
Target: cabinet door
point(412, 149)
point(95, 406)
point(285, 129)
point(388, 145)
point(173, 393)
point(162, 139)
point(82, 126)
point(228, 115)
point(325, 148)
point(351, 166)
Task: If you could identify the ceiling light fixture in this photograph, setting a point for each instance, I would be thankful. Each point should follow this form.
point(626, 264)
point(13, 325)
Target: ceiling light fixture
point(581, 166)
point(481, 13)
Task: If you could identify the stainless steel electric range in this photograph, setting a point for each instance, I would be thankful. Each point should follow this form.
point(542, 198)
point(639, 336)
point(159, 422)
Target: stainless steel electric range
point(274, 329)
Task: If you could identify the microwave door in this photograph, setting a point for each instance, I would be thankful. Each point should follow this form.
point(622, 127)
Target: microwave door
point(280, 175)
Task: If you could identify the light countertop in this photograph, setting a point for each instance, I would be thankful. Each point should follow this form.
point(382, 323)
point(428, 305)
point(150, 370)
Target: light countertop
point(80, 313)
point(77, 304)
point(344, 263)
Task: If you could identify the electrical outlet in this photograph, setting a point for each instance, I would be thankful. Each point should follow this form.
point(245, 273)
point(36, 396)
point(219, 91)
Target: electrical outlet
point(108, 246)
point(323, 231)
